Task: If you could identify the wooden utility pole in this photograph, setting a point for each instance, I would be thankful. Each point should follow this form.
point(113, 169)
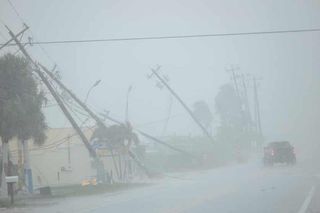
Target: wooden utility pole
point(257, 107)
point(234, 79)
point(92, 152)
point(73, 96)
point(99, 121)
point(204, 130)
point(246, 101)
point(93, 115)
point(55, 95)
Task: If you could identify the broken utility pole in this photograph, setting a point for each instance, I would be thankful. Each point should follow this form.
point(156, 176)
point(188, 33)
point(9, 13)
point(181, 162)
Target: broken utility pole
point(98, 163)
point(92, 114)
point(55, 95)
point(234, 77)
point(99, 121)
point(205, 131)
point(257, 117)
point(245, 99)
point(67, 113)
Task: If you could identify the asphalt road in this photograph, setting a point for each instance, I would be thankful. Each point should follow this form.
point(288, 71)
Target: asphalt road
point(238, 188)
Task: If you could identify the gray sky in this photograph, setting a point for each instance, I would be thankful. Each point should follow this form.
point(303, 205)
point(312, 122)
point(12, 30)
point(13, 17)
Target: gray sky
point(289, 63)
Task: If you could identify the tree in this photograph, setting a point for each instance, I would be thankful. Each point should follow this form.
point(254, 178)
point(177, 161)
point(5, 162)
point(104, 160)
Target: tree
point(229, 107)
point(232, 132)
point(20, 105)
point(119, 138)
point(202, 112)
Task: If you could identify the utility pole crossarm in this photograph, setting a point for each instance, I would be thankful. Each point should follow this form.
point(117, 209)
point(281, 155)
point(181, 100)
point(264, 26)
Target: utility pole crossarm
point(12, 39)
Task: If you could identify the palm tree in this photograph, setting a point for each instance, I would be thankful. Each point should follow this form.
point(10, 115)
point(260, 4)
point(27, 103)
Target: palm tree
point(119, 138)
point(20, 106)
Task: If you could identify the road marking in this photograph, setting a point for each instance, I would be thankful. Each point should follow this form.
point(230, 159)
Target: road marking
point(306, 203)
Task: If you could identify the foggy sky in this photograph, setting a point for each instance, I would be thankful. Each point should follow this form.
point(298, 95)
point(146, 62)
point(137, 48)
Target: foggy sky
point(288, 64)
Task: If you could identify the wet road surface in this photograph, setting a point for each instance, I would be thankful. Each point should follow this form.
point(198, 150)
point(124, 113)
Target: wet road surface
point(238, 188)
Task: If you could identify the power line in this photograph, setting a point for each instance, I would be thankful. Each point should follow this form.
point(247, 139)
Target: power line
point(72, 109)
point(160, 121)
point(155, 72)
point(32, 34)
point(54, 143)
point(176, 36)
point(15, 11)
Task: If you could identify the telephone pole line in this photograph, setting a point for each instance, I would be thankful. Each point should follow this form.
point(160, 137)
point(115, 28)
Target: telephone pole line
point(246, 101)
point(99, 121)
point(54, 94)
point(205, 131)
point(241, 94)
point(256, 107)
point(93, 115)
point(234, 77)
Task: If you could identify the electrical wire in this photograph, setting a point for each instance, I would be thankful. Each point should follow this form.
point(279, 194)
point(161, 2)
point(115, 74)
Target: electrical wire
point(57, 142)
point(72, 110)
point(79, 109)
point(32, 35)
point(76, 110)
point(177, 36)
point(15, 11)
point(63, 140)
point(160, 121)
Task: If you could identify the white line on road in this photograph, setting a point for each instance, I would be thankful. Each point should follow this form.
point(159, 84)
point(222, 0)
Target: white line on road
point(306, 203)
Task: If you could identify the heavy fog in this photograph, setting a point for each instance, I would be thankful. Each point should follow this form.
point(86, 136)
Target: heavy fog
point(286, 65)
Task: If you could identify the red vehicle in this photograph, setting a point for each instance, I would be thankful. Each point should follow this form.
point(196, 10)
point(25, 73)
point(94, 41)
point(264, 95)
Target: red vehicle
point(279, 152)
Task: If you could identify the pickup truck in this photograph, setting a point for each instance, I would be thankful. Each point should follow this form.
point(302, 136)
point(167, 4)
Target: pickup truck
point(279, 152)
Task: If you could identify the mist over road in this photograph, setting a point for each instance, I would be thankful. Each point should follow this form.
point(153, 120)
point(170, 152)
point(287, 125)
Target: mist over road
point(237, 188)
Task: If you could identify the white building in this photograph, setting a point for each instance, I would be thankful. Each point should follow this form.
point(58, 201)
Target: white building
point(63, 159)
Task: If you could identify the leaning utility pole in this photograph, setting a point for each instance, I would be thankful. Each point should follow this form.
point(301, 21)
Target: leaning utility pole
point(98, 120)
point(234, 79)
point(246, 101)
point(242, 97)
point(257, 107)
point(205, 131)
point(55, 95)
